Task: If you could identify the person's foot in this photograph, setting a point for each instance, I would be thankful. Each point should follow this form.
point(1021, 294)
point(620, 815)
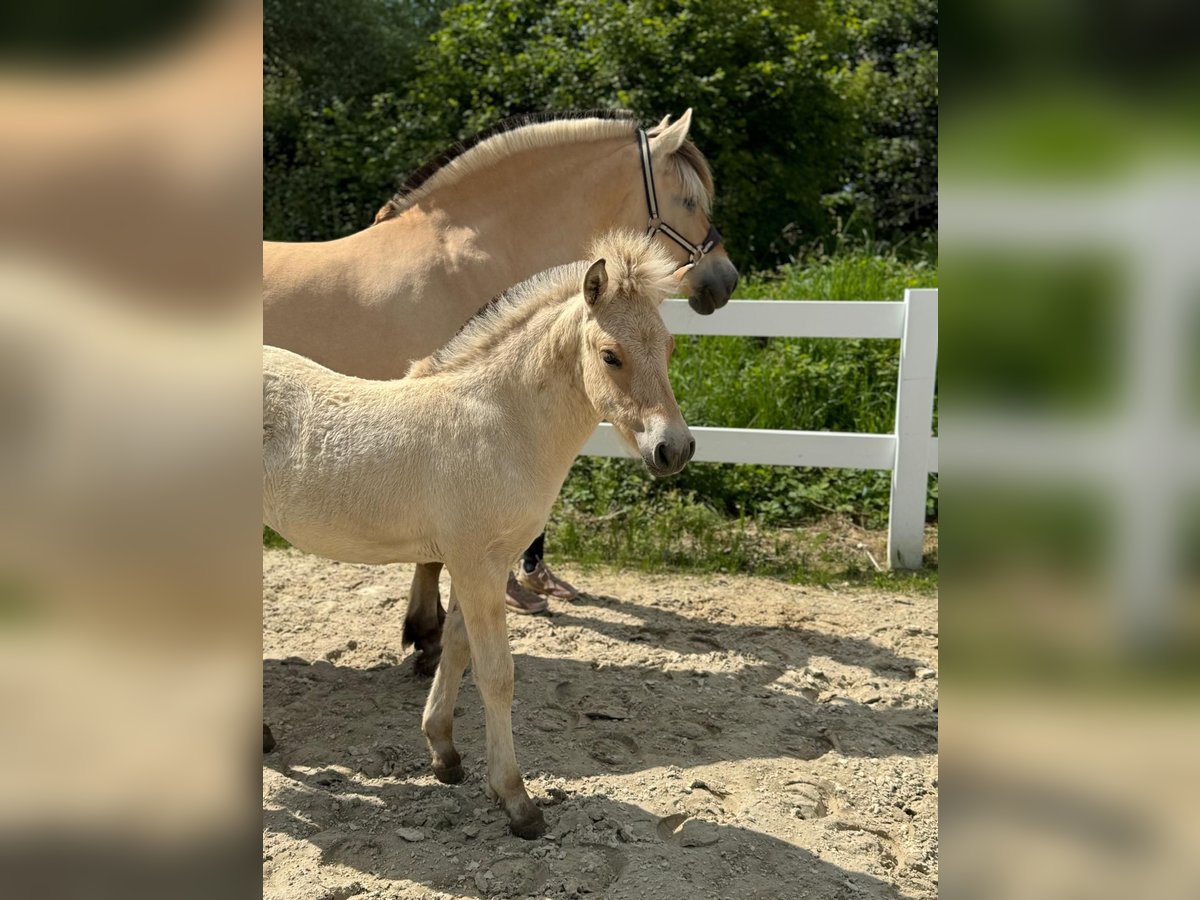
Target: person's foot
point(522, 601)
point(542, 581)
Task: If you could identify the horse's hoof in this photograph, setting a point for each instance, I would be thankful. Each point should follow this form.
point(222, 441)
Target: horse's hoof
point(425, 663)
point(449, 774)
point(529, 825)
point(268, 739)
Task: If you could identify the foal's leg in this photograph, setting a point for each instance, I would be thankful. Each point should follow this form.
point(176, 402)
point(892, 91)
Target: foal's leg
point(438, 720)
point(423, 621)
point(482, 600)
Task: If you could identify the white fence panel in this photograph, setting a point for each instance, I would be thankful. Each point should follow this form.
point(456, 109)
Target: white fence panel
point(914, 416)
point(789, 318)
point(910, 453)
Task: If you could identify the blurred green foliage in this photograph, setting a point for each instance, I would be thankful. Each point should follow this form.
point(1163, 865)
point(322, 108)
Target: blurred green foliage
point(818, 118)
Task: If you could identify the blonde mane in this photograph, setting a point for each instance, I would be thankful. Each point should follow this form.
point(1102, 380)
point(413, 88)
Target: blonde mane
point(525, 133)
point(636, 268)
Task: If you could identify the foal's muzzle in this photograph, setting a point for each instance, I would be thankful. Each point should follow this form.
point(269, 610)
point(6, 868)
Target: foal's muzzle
point(670, 455)
point(713, 281)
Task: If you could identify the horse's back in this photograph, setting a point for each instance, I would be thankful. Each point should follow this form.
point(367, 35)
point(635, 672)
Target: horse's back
point(370, 303)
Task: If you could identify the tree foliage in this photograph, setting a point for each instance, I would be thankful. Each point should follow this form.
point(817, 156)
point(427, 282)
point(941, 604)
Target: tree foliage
point(812, 113)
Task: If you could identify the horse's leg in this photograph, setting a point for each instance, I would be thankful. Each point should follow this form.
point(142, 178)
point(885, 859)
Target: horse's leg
point(438, 720)
point(423, 621)
point(482, 601)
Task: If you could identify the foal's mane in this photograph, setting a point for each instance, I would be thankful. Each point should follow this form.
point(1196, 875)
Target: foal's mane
point(635, 268)
point(532, 130)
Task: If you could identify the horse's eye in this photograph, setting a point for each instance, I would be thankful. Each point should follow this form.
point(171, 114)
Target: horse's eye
point(689, 204)
point(610, 359)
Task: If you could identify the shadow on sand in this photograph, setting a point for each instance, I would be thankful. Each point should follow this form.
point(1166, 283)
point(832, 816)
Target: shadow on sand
point(351, 770)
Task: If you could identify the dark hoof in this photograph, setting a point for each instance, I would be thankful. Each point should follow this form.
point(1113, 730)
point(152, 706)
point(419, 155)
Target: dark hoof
point(530, 825)
point(450, 774)
point(420, 634)
point(416, 636)
point(268, 739)
point(425, 663)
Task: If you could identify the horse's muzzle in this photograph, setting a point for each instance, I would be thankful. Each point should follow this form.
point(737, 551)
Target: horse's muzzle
point(670, 456)
point(713, 281)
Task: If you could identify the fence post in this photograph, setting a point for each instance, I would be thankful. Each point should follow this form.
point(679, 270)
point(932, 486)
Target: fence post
point(914, 427)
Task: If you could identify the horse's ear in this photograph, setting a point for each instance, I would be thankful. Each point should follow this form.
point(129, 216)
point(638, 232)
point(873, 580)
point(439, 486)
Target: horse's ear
point(594, 282)
point(385, 212)
point(671, 138)
point(666, 120)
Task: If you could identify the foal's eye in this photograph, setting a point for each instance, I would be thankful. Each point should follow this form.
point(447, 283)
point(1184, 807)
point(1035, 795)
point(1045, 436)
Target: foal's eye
point(610, 359)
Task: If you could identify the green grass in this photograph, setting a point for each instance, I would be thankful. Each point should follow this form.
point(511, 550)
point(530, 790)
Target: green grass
point(776, 521)
point(273, 540)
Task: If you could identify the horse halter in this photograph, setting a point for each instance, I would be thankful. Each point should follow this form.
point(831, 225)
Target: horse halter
point(656, 224)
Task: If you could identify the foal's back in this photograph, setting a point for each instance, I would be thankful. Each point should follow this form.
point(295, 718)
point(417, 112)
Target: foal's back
point(362, 471)
point(331, 474)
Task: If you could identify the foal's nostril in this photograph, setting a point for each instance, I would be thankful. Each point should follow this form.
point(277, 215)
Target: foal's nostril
point(660, 456)
point(691, 449)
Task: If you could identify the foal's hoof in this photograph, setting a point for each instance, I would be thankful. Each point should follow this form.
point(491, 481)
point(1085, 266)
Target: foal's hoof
point(449, 774)
point(268, 739)
point(529, 825)
point(425, 663)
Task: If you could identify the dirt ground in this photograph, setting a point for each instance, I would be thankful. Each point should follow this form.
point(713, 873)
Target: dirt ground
point(688, 737)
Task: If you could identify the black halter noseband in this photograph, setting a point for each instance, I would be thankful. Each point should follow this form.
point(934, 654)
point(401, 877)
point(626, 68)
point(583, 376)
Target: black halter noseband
point(695, 251)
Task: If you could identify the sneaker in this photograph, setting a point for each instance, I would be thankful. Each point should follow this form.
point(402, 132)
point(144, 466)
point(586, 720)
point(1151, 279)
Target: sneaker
point(521, 601)
point(542, 581)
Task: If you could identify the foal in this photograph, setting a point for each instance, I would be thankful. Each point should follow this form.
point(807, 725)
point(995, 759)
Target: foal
point(461, 460)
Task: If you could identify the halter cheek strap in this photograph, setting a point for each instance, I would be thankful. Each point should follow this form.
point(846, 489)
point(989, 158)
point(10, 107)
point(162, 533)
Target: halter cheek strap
point(656, 224)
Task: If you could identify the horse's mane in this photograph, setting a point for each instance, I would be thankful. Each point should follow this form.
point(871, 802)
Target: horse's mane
point(533, 130)
point(635, 267)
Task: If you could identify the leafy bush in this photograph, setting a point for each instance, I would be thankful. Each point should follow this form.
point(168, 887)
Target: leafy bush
point(888, 78)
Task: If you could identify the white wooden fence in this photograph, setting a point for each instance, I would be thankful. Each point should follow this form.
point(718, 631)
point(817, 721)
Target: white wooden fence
point(910, 452)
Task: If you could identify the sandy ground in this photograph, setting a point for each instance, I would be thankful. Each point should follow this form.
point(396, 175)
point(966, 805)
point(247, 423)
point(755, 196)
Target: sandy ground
point(689, 737)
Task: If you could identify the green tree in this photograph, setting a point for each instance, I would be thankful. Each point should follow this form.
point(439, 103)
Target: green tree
point(333, 71)
point(887, 75)
point(764, 113)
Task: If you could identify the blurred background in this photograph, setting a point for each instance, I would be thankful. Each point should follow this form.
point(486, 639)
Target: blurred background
point(1069, 217)
point(130, 621)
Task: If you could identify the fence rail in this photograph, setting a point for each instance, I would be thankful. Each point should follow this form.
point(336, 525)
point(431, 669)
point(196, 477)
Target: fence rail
point(910, 452)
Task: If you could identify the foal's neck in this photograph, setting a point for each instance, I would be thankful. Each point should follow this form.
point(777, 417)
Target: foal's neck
point(535, 373)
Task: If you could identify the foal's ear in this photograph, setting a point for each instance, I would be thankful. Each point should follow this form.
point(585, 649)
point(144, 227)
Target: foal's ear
point(671, 138)
point(594, 282)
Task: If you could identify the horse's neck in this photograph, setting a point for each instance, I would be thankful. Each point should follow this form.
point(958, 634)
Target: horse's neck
point(538, 209)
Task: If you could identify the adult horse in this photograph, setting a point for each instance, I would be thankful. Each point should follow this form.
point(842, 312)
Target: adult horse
point(531, 194)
